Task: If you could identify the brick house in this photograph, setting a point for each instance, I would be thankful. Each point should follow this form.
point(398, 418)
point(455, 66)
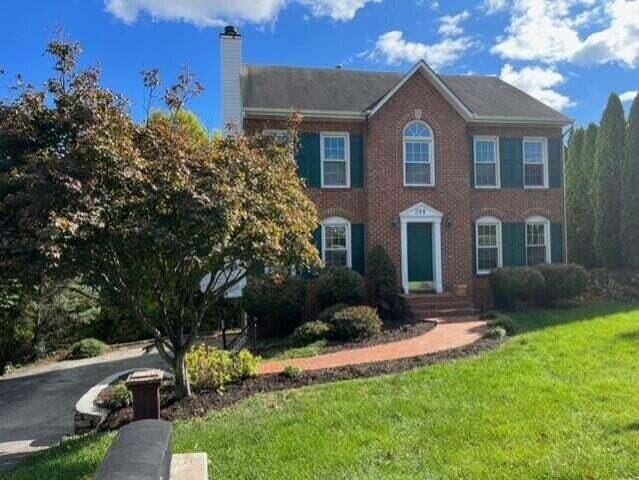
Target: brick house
point(453, 175)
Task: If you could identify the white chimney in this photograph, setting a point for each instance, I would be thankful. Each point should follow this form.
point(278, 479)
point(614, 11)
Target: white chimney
point(231, 69)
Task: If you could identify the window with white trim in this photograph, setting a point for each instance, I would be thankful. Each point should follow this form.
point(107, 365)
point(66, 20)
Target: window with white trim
point(488, 244)
point(486, 162)
point(335, 152)
point(418, 155)
point(537, 241)
point(336, 242)
point(535, 162)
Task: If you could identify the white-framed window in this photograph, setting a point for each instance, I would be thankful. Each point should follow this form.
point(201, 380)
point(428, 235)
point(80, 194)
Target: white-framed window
point(488, 244)
point(535, 162)
point(336, 159)
point(487, 173)
point(419, 155)
point(537, 241)
point(336, 242)
point(280, 135)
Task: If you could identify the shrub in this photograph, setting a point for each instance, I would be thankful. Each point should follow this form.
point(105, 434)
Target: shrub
point(210, 368)
point(496, 332)
point(87, 348)
point(277, 303)
point(310, 332)
point(291, 371)
point(513, 286)
point(503, 321)
point(327, 313)
point(339, 285)
point(563, 282)
point(356, 323)
point(382, 286)
point(118, 397)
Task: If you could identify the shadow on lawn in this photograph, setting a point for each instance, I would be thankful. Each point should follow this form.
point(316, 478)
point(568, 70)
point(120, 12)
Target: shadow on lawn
point(532, 320)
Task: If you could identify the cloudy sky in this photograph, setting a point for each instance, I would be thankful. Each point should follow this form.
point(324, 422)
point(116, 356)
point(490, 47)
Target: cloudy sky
point(569, 54)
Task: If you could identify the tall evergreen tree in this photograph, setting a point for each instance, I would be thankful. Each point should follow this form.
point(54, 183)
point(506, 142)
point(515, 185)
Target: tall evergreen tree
point(630, 215)
point(609, 158)
point(588, 163)
point(575, 211)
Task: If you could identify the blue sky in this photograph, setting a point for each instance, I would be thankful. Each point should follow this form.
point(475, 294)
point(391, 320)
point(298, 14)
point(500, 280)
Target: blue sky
point(568, 53)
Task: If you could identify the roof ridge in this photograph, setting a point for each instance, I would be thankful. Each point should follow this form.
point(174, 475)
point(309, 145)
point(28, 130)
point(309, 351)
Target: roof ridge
point(329, 69)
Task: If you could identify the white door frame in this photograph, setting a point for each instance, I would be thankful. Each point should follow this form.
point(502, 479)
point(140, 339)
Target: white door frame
point(423, 213)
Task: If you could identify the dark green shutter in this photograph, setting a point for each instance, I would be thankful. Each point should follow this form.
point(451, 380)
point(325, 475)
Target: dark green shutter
point(317, 238)
point(514, 244)
point(308, 159)
point(357, 160)
point(473, 236)
point(472, 164)
point(555, 164)
point(512, 162)
point(557, 243)
point(357, 247)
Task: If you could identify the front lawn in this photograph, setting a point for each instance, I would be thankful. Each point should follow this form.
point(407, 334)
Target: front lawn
point(560, 400)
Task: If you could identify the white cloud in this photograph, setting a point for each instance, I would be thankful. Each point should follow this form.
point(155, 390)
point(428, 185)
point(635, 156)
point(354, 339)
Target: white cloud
point(206, 13)
point(392, 48)
point(494, 6)
point(538, 82)
point(628, 96)
point(451, 24)
point(552, 31)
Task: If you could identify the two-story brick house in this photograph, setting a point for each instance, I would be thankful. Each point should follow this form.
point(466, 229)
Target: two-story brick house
point(453, 175)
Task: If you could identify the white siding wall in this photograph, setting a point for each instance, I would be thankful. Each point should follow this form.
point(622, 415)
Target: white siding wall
point(231, 68)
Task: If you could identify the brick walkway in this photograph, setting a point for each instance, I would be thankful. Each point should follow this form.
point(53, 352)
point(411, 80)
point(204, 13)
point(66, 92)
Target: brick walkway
point(445, 336)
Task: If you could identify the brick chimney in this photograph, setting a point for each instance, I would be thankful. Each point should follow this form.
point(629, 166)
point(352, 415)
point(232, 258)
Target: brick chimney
point(231, 69)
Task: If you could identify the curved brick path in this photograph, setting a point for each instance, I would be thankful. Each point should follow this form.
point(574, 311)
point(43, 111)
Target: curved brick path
point(445, 336)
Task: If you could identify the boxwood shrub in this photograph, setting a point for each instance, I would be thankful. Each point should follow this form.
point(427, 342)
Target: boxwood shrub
point(87, 348)
point(513, 286)
point(310, 332)
point(356, 323)
point(563, 282)
point(339, 285)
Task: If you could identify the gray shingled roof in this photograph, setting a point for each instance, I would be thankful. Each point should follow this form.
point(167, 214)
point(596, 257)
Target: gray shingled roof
point(356, 91)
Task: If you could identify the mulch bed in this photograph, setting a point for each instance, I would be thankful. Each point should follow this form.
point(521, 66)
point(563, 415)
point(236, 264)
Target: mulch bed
point(200, 405)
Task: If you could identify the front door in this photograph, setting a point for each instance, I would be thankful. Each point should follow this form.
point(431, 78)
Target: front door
point(420, 255)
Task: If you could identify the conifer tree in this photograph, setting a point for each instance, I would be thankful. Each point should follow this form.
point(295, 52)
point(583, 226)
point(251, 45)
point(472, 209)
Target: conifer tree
point(574, 196)
point(630, 191)
point(609, 158)
point(588, 152)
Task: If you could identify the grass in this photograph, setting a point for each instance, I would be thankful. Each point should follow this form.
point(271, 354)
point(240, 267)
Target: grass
point(560, 400)
point(283, 349)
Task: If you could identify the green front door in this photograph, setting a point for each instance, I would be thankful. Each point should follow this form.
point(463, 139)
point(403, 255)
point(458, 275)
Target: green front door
point(420, 255)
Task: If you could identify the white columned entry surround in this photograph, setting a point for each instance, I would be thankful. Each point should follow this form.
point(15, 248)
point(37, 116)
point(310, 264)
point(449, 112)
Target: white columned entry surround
point(423, 213)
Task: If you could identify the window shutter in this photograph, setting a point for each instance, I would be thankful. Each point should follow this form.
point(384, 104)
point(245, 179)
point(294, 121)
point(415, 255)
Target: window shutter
point(555, 164)
point(473, 236)
point(514, 244)
point(357, 160)
point(317, 239)
point(512, 162)
point(472, 164)
point(557, 243)
point(308, 159)
point(357, 247)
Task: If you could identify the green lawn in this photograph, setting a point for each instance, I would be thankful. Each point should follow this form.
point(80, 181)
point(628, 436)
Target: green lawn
point(560, 400)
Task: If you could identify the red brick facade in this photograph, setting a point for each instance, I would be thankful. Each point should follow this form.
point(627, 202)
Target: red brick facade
point(384, 195)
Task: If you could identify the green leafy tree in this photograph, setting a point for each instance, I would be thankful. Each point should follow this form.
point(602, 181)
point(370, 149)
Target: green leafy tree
point(575, 195)
point(145, 213)
point(630, 216)
point(588, 153)
point(609, 159)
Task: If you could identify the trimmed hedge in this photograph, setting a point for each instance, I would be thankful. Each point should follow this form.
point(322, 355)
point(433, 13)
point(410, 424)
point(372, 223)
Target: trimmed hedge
point(339, 285)
point(563, 282)
point(356, 323)
point(310, 332)
point(87, 348)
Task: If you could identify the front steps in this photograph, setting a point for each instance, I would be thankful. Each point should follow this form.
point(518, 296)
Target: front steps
point(442, 305)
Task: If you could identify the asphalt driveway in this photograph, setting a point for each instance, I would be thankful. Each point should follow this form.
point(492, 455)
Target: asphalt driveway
point(37, 404)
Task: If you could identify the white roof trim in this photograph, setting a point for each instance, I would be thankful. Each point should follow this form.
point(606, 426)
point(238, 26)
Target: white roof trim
point(421, 209)
point(439, 85)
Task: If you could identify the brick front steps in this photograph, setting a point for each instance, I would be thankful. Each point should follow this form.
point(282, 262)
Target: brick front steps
point(442, 305)
point(448, 334)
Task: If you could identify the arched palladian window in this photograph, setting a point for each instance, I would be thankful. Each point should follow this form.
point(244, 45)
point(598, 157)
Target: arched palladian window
point(488, 244)
point(537, 241)
point(336, 242)
point(419, 155)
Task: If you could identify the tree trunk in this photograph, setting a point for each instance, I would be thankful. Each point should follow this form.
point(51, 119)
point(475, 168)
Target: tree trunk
point(182, 385)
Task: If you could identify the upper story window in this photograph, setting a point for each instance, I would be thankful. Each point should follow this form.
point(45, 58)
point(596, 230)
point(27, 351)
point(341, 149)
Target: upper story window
point(280, 136)
point(418, 155)
point(488, 244)
point(336, 242)
point(335, 157)
point(535, 162)
point(537, 241)
point(486, 162)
